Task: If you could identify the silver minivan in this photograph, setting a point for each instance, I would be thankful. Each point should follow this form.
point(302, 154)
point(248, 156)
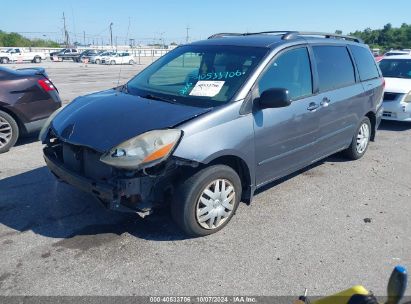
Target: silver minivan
point(207, 124)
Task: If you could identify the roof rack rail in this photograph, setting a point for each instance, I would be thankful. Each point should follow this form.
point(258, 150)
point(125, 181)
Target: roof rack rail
point(294, 34)
point(219, 35)
point(287, 35)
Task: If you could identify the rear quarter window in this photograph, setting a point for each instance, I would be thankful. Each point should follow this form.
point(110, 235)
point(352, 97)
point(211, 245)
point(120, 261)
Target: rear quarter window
point(366, 64)
point(334, 66)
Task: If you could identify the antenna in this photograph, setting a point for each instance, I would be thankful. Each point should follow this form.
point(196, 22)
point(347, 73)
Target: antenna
point(121, 66)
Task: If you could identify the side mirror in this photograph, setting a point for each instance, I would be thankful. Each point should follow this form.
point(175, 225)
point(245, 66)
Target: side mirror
point(274, 98)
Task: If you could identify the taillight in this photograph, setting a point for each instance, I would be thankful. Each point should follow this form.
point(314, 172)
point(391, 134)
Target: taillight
point(46, 84)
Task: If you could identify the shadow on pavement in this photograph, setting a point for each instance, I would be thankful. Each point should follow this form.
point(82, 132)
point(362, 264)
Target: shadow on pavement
point(36, 201)
point(390, 125)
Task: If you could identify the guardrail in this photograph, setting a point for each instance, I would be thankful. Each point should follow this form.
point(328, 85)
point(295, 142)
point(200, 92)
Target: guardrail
point(138, 51)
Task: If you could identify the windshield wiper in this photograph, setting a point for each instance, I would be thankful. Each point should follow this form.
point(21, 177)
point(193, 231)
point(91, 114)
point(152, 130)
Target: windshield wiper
point(155, 97)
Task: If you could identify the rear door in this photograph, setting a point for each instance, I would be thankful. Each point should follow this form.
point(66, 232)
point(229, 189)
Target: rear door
point(370, 77)
point(340, 97)
point(285, 137)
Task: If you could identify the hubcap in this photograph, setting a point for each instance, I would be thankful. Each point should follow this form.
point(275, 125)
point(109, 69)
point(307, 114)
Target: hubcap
point(216, 203)
point(5, 132)
point(363, 138)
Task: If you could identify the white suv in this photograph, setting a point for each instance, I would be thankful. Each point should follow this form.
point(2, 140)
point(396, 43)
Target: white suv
point(119, 58)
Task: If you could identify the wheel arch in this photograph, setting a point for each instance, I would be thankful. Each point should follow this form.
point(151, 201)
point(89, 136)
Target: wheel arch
point(373, 120)
point(19, 122)
point(240, 166)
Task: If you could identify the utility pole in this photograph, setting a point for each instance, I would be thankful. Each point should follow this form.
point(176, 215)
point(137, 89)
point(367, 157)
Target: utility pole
point(66, 35)
point(111, 34)
point(187, 37)
point(84, 38)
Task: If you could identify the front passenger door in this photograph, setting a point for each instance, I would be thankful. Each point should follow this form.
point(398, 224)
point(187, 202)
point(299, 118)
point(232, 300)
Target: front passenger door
point(285, 137)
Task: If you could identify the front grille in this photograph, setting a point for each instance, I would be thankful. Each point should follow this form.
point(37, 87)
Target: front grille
point(83, 161)
point(388, 96)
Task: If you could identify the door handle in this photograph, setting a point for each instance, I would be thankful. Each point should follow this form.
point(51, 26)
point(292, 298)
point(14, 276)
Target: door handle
point(325, 102)
point(312, 107)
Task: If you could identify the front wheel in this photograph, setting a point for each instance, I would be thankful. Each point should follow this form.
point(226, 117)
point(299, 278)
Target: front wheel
point(360, 140)
point(205, 202)
point(4, 60)
point(112, 62)
point(131, 62)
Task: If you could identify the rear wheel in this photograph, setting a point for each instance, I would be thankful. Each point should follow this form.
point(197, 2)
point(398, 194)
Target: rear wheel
point(131, 62)
point(112, 62)
point(37, 59)
point(97, 61)
point(4, 60)
point(360, 140)
point(205, 202)
point(9, 132)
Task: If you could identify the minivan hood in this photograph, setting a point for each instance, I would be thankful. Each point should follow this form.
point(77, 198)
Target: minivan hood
point(397, 85)
point(103, 120)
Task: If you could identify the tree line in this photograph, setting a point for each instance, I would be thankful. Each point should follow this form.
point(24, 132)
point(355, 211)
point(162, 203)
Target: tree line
point(15, 39)
point(387, 38)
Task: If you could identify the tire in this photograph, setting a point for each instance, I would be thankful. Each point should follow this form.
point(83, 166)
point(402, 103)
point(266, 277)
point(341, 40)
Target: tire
point(190, 198)
point(4, 60)
point(97, 61)
point(37, 59)
point(131, 62)
point(356, 150)
point(112, 62)
point(60, 59)
point(9, 132)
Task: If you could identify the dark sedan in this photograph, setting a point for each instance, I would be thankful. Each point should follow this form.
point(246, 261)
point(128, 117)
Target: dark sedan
point(27, 99)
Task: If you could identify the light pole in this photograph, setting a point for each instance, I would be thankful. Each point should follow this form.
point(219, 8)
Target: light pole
point(111, 35)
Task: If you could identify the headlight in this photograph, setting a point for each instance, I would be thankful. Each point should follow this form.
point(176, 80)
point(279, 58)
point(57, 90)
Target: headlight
point(46, 125)
point(146, 149)
point(408, 97)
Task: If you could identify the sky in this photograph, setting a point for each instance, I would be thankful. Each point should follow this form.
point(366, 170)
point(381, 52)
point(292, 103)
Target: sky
point(152, 20)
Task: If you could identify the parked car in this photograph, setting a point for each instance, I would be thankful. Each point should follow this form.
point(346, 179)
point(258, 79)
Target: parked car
point(99, 56)
point(18, 54)
point(85, 55)
point(397, 97)
point(397, 52)
point(67, 54)
point(118, 58)
point(208, 123)
point(27, 98)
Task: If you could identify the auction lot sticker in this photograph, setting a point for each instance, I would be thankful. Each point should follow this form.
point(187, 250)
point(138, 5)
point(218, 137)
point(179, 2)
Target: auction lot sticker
point(207, 88)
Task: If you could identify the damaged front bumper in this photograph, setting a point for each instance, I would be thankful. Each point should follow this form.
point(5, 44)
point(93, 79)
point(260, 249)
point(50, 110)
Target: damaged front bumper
point(136, 192)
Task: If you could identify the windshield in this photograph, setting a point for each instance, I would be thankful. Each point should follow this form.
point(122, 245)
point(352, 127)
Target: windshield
point(396, 68)
point(203, 76)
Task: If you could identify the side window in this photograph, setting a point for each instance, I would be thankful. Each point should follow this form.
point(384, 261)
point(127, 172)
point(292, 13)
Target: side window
point(365, 63)
point(335, 68)
point(291, 70)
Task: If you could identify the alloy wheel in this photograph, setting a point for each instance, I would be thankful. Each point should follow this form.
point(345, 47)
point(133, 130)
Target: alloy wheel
point(6, 132)
point(363, 138)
